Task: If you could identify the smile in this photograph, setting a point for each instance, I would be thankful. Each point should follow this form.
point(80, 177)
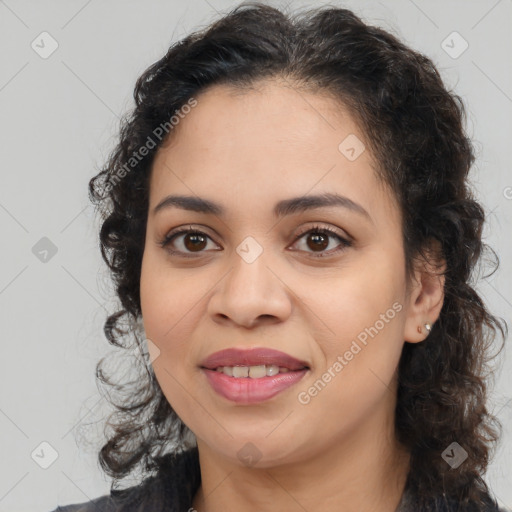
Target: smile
point(252, 372)
point(247, 376)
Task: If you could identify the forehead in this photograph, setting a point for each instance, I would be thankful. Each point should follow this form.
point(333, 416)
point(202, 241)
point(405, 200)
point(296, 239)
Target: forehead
point(276, 113)
point(269, 142)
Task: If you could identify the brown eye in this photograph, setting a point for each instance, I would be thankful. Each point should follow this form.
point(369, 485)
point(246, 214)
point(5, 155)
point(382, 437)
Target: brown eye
point(318, 238)
point(319, 241)
point(194, 241)
point(185, 242)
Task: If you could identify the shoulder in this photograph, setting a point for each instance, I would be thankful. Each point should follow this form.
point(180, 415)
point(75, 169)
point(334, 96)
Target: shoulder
point(101, 504)
point(127, 500)
point(172, 488)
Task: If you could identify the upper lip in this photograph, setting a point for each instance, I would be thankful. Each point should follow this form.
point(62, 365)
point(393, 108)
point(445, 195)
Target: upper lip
point(252, 357)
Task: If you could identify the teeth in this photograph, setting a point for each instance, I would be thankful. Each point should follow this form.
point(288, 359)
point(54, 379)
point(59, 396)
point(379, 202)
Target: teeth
point(241, 371)
point(253, 372)
point(256, 372)
point(272, 370)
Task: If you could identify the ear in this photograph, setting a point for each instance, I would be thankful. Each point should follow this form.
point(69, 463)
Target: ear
point(426, 293)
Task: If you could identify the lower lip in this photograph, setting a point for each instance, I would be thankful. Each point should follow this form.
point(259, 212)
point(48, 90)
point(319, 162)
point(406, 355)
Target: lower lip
point(248, 391)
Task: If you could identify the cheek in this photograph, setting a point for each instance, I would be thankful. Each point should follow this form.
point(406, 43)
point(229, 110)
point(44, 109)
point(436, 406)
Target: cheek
point(362, 335)
point(358, 303)
point(171, 309)
point(166, 299)
point(165, 303)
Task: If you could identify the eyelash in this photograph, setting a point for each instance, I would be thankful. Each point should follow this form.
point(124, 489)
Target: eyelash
point(314, 229)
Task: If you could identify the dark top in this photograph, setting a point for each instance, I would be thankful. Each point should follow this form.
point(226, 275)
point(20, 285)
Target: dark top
point(174, 487)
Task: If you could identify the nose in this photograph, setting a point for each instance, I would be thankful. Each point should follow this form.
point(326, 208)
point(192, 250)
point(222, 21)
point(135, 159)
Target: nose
point(250, 294)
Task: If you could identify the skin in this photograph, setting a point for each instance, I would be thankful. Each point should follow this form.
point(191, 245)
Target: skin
point(247, 150)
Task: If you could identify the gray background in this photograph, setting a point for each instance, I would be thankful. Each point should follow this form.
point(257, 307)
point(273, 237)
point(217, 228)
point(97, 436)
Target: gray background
point(59, 118)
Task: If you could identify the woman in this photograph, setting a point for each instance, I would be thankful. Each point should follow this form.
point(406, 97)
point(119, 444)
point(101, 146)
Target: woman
point(288, 221)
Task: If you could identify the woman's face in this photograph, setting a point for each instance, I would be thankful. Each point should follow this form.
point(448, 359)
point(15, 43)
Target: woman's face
point(257, 277)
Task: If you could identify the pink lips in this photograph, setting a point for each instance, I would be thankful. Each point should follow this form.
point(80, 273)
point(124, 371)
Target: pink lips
point(248, 390)
point(252, 357)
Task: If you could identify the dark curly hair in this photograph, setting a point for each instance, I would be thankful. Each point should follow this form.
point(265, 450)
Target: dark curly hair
point(415, 130)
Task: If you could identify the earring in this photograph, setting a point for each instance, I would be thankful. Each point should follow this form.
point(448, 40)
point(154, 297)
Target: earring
point(428, 327)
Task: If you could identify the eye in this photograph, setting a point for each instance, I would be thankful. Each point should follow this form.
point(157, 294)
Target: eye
point(189, 241)
point(318, 240)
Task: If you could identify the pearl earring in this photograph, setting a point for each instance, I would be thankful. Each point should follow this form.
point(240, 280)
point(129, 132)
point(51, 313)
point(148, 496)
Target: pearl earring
point(428, 327)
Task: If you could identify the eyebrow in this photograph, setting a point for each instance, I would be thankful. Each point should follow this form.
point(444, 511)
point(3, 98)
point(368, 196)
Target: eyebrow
point(281, 209)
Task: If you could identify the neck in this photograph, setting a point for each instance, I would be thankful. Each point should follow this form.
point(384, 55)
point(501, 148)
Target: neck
point(363, 471)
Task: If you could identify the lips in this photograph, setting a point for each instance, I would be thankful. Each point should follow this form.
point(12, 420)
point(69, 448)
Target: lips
point(286, 372)
point(252, 357)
